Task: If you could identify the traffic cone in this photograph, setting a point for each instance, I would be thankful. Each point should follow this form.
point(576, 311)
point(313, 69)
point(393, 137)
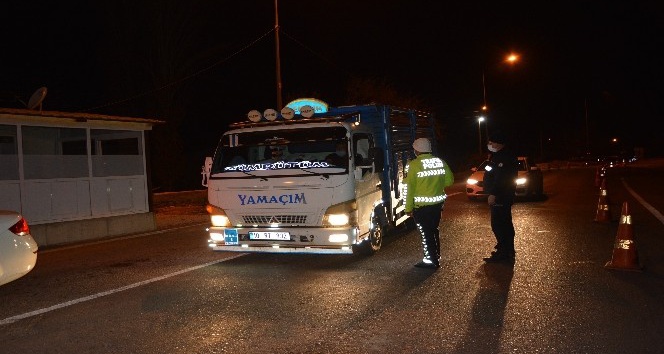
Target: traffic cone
point(624, 250)
point(603, 212)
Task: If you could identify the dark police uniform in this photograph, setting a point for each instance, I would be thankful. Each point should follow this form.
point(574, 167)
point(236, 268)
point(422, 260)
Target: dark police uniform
point(500, 181)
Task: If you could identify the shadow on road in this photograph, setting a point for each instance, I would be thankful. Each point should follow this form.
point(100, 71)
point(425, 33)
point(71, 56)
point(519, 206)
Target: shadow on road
point(484, 332)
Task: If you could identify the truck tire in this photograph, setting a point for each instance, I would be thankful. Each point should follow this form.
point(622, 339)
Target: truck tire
point(375, 240)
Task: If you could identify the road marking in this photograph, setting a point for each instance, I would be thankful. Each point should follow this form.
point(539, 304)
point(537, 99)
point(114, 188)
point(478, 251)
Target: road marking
point(638, 198)
point(13, 319)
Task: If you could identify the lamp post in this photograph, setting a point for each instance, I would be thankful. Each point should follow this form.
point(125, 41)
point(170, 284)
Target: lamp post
point(278, 55)
point(510, 59)
point(484, 107)
point(479, 133)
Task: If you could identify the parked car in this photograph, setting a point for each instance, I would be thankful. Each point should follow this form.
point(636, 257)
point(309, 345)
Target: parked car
point(529, 182)
point(18, 250)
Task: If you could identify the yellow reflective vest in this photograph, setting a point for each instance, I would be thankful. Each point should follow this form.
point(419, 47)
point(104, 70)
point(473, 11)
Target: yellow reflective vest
point(425, 181)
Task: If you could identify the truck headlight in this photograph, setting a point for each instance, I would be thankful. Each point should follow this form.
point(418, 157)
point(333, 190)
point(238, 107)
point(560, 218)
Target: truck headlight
point(521, 181)
point(341, 214)
point(338, 219)
point(217, 216)
point(471, 181)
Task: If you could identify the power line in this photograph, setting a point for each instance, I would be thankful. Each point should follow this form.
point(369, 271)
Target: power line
point(185, 78)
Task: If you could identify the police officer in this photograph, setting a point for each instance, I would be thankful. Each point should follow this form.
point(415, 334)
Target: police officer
point(426, 179)
point(500, 185)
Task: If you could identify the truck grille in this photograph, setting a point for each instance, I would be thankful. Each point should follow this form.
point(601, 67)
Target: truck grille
point(272, 219)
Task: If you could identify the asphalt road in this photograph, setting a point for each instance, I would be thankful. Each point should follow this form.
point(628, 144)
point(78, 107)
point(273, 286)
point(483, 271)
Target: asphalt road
point(166, 292)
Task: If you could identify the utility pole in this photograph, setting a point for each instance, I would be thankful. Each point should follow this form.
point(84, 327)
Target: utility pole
point(585, 103)
point(276, 37)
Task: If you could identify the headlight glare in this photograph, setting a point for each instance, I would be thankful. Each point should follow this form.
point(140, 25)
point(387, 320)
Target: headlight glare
point(341, 214)
point(217, 216)
point(338, 219)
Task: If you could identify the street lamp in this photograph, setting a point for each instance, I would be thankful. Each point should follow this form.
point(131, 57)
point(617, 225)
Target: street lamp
point(479, 132)
point(511, 59)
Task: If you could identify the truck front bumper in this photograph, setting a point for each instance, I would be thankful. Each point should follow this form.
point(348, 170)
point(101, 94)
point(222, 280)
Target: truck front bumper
point(301, 240)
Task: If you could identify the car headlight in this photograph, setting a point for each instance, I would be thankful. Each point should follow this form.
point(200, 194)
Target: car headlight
point(341, 214)
point(218, 216)
point(521, 181)
point(471, 181)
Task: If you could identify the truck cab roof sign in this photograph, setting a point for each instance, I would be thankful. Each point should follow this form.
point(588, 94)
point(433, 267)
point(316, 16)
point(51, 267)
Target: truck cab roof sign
point(317, 105)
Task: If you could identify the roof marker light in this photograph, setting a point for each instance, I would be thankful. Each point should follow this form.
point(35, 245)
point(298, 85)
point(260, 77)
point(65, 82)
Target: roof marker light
point(270, 114)
point(254, 116)
point(307, 111)
point(287, 113)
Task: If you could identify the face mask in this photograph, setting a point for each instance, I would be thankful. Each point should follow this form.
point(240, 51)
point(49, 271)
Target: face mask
point(491, 148)
point(341, 153)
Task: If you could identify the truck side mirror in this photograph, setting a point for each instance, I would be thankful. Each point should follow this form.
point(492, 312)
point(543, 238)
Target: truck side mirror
point(376, 156)
point(205, 171)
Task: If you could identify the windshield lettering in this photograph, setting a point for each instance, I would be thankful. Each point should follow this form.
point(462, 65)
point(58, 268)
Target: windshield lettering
point(280, 165)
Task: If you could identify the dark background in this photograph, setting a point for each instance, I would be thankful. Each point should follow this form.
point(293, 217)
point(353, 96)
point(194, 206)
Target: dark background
point(589, 71)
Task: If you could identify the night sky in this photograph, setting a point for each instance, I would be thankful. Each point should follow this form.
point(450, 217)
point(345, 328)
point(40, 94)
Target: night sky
point(589, 70)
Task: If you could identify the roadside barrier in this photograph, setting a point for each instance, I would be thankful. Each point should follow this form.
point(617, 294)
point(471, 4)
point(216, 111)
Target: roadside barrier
point(624, 249)
point(603, 212)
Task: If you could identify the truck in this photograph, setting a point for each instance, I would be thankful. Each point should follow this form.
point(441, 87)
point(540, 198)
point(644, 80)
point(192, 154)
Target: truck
point(272, 187)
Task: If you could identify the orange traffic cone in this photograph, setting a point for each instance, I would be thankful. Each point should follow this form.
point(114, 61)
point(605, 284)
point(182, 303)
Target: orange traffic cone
point(603, 212)
point(624, 250)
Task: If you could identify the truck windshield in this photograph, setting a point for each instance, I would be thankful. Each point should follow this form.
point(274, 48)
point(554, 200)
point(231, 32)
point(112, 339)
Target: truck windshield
point(297, 148)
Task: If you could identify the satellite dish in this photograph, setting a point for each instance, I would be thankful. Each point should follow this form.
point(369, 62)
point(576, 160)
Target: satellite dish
point(37, 98)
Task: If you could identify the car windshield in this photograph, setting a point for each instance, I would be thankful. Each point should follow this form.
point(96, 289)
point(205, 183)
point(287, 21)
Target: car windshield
point(288, 149)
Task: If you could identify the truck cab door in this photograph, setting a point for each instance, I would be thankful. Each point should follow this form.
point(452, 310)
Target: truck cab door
point(362, 148)
point(367, 178)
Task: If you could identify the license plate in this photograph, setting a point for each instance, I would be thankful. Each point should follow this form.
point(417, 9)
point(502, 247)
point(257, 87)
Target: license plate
point(230, 237)
point(269, 235)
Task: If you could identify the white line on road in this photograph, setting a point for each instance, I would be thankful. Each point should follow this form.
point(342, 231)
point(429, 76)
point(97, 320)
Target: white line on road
point(13, 319)
point(638, 198)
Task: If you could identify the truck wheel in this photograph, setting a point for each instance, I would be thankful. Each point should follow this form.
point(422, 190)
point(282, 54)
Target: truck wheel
point(375, 240)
